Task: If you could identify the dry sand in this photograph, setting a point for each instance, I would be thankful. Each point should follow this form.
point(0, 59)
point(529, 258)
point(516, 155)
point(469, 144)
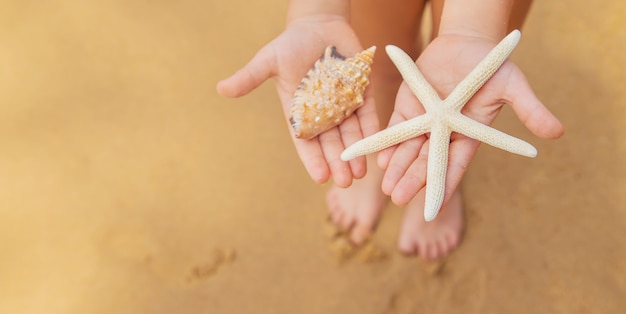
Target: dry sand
point(127, 185)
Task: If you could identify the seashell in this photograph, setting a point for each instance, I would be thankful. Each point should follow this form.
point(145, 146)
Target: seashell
point(330, 92)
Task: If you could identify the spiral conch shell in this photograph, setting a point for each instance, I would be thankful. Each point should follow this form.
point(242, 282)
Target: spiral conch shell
point(330, 92)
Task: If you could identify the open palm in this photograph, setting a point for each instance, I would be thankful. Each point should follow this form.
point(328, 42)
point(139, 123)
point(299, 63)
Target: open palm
point(444, 63)
point(287, 59)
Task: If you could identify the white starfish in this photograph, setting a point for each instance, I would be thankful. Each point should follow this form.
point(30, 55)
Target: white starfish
point(441, 118)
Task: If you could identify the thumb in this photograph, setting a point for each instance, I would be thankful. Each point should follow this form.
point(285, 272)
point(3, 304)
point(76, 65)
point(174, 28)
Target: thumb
point(529, 109)
point(258, 70)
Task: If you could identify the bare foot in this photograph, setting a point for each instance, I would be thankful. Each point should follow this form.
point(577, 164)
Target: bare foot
point(435, 239)
point(358, 207)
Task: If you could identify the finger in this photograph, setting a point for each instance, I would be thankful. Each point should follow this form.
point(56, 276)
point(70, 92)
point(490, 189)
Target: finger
point(385, 155)
point(350, 133)
point(404, 155)
point(332, 146)
point(413, 180)
point(365, 124)
point(529, 109)
point(407, 106)
point(412, 129)
point(253, 74)
point(367, 116)
point(312, 156)
point(462, 151)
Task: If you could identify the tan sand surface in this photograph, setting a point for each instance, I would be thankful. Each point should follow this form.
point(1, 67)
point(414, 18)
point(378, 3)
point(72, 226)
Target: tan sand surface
point(127, 185)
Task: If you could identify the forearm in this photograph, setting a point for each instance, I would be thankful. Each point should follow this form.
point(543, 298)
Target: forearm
point(483, 18)
point(299, 9)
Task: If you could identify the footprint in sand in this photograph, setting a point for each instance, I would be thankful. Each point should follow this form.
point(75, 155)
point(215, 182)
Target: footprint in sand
point(211, 264)
point(136, 246)
point(189, 267)
point(344, 250)
point(438, 289)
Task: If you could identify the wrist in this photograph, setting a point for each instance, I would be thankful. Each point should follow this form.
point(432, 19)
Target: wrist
point(318, 9)
point(477, 18)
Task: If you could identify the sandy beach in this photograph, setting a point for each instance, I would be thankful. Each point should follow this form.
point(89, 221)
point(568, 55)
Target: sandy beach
point(127, 185)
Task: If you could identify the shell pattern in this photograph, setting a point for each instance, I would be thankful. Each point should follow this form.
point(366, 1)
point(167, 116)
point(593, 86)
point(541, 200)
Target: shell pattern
point(330, 92)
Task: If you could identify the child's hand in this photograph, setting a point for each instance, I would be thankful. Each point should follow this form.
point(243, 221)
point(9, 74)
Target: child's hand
point(444, 63)
point(288, 58)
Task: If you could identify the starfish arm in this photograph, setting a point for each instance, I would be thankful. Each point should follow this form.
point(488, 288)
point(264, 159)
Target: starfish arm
point(436, 169)
point(486, 134)
point(413, 77)
point(388, 137)
point(483, 71)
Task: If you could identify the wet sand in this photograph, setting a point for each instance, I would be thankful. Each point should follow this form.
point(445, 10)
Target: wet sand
point(127, 185)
